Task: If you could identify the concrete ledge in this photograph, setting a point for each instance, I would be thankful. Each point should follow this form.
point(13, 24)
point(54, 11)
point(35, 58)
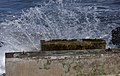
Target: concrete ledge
point(60, 53)
point(97, 62)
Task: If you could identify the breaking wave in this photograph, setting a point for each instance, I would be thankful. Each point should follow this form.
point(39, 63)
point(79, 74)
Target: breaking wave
point(57, 19)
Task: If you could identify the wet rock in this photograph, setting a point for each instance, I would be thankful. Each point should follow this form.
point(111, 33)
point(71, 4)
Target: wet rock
point(1, 43)
point(116, 36)
point(3, 74)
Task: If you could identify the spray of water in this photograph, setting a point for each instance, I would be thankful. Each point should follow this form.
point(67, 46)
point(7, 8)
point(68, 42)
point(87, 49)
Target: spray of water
point(53, 20)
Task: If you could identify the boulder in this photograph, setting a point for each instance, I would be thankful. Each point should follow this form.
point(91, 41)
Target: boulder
point(116, 36)
point(1, 43)
point(3, 74)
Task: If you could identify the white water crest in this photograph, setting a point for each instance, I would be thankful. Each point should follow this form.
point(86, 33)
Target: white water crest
point(54, 20)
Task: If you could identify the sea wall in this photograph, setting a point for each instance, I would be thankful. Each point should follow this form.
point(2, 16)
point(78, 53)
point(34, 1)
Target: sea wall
point(73, 63)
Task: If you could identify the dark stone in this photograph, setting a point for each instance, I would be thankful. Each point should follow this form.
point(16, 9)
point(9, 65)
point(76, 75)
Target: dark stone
point(3, 74)
point(108, 50)
point(1, 43)
point(116, 36)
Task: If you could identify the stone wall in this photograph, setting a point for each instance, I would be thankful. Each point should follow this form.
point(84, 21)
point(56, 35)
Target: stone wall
point(63, 63)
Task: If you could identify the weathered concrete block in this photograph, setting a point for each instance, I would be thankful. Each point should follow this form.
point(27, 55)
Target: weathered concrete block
point(73, 63)
point(54, 45)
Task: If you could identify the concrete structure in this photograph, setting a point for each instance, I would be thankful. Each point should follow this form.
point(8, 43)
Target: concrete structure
point(74, 44)
point(94, 62)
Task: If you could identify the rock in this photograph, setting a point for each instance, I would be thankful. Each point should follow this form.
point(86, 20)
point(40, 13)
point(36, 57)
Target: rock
point(3, 74)
point(116, 36)
point(1, 43)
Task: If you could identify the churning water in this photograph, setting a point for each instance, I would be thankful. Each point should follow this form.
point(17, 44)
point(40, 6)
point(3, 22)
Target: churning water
point(23, 23)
